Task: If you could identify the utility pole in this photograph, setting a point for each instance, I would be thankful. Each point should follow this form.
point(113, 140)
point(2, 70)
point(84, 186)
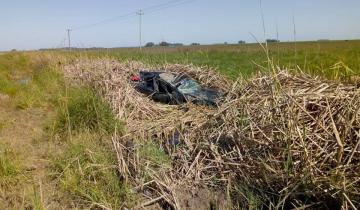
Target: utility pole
point(68, 33)
point(277, 39)
point(293, 20)
point(140, 13)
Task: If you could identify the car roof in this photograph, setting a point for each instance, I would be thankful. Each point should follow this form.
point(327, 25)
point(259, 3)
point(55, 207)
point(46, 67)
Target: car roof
point(167, 77)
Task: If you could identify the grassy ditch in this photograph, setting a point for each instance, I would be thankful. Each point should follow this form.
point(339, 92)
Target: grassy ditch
point(86, 171)
point(86, 168)
point(78, 167)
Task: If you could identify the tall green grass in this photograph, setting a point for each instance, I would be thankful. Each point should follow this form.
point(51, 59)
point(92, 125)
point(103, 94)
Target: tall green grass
point(9, 167)
point(13, 66)
point(30, 79)
point(81, 109)
point(152, 155)
point(86, 169)
point(87, 173)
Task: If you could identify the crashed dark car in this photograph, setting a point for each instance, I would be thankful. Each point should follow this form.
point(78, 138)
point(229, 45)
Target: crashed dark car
point(173, 88)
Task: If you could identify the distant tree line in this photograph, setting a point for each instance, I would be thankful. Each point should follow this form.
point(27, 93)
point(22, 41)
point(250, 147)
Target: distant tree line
point(164, 44)
point(272, 40)
point(168, 44)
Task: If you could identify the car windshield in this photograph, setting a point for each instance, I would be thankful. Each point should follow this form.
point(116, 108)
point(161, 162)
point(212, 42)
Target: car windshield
point(188, 86)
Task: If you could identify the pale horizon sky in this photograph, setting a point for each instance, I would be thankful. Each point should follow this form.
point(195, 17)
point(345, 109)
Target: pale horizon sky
point(27, 25)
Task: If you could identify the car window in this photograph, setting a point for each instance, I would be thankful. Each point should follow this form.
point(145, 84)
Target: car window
point(188, 86)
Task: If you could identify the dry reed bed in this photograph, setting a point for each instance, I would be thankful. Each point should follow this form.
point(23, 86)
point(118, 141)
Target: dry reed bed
point(290, 135)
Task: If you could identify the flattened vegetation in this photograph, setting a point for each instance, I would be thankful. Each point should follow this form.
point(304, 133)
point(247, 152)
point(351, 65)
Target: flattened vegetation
point(280, 139)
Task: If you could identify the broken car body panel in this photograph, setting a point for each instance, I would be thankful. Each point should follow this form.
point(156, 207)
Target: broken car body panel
point(173, 88)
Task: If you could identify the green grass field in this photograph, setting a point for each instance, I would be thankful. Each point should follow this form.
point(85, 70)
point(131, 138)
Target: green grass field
point(331, 59)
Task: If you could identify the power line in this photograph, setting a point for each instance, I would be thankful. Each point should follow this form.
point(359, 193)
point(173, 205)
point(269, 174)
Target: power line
point(61, 43)
point(169, 6)
point(160, 5)
point(140, 13)
point(132, 14)
point(149, 9)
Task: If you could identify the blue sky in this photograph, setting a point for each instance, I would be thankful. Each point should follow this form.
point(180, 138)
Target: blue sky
point(41, 23)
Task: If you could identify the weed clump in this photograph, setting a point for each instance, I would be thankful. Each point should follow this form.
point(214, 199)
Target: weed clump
point(87, 171)
point(151, 153)
point(9, 167)
point(82, 109)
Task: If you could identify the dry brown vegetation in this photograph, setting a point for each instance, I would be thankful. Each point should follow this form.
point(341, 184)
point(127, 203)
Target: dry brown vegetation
point(290, 139)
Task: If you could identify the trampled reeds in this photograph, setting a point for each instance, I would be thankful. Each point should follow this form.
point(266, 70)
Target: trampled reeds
point(293, 139)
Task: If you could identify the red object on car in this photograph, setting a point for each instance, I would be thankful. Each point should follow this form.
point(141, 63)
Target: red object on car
point(135, 78)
